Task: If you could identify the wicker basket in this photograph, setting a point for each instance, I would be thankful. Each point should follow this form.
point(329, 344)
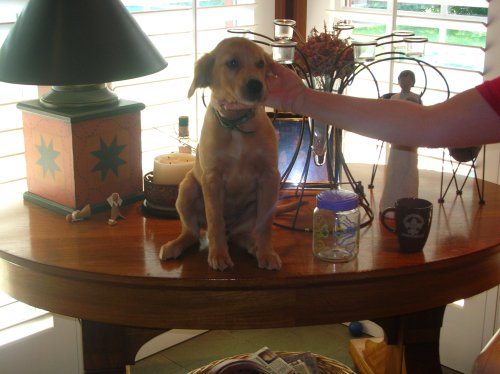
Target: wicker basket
point(325, 365)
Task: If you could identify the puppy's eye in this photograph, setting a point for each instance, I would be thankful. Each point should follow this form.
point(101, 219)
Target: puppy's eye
point(260, 64)
point(232, 63)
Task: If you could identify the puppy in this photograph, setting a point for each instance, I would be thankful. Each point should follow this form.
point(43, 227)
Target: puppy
point(233, 188)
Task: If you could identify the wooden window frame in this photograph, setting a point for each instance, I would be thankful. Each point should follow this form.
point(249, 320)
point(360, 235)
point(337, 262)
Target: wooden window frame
point(293, 9)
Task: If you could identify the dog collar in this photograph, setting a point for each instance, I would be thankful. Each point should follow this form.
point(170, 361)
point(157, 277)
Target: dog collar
point(234, 124)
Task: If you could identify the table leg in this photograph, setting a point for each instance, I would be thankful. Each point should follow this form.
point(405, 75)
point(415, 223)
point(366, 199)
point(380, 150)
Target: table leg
point(418, 335)
point(110, 348)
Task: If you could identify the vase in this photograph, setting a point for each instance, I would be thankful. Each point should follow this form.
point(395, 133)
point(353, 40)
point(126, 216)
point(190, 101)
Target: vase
point(318, 129)
point(319, 133)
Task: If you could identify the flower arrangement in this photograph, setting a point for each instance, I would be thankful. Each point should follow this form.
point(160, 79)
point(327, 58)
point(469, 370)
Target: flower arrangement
point(326, 53)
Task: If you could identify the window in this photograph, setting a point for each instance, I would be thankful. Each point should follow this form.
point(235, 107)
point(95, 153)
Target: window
point(456, 30)
point(12, 151)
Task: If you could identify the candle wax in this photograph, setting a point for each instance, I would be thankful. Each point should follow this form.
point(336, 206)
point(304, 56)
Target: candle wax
point(171, 168)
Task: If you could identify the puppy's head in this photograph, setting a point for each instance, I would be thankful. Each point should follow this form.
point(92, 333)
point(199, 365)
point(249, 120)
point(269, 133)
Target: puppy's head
point(235, 71)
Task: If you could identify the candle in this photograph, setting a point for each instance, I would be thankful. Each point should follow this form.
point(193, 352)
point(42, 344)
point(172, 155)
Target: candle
point(171, 168)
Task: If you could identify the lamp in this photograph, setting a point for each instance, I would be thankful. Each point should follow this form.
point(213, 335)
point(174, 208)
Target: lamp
point(82, 142)
point(77, 46)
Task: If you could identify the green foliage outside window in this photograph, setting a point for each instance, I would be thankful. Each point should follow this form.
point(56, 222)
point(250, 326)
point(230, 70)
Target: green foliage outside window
point(420, 8)
point(430, 8)
point(460, 37)
point(468, 11)
point(469, 38)
point(374, 30)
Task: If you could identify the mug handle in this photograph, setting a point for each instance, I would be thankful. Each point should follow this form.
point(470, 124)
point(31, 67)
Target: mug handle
point(382, 217)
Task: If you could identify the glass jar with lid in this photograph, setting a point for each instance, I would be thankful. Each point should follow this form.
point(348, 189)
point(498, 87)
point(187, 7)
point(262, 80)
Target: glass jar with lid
point(336, 225)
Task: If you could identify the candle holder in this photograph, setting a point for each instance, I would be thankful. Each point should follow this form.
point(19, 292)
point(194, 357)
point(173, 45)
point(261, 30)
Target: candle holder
point(364, 51)
point(284, 28)
point(159, 198)
point(161, 186)
point(415, 46)
point(283, 51)
point(344, 29)
point(319, 141)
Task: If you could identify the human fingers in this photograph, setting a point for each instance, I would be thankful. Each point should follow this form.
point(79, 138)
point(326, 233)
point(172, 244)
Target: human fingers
point(278, 69)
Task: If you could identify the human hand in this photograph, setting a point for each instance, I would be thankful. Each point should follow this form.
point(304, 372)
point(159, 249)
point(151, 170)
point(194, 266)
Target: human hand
point(285, 89)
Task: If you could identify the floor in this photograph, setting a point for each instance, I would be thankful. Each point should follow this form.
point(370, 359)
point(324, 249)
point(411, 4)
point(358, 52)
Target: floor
point(330, 341)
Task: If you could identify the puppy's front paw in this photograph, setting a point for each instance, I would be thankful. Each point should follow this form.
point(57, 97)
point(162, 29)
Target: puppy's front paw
point(219, 260)
point(169, 251)
point(269, 260)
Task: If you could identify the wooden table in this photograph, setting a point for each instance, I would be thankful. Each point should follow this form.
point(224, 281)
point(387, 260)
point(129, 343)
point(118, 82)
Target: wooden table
point(111, 278)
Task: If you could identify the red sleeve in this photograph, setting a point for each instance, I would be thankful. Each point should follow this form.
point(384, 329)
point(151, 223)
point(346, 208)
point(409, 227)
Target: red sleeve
point(490, 90)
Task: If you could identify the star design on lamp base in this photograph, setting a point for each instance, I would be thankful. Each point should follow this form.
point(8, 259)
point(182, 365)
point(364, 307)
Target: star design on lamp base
point(109, 157)
point(47, 157)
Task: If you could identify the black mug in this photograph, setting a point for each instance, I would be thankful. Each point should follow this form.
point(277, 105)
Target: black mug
point(413, 222)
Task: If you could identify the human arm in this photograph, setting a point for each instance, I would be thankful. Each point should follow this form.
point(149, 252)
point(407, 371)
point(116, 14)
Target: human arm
point(464, 120)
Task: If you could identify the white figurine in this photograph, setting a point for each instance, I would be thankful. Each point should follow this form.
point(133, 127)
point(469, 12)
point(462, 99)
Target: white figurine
point(114, 201)
point(401, 177)
point(406, 81)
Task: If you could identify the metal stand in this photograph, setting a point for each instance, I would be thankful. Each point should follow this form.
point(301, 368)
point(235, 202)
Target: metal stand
point(304, 191)
point(467, 156)
point(336, 80)
point(300, 194)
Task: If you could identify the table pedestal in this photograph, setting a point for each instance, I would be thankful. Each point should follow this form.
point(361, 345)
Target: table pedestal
point(411, 345)
point(408, 339)
point(108, 349)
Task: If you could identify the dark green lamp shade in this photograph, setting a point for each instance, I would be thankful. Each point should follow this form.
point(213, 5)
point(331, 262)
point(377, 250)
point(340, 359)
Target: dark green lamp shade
point(76, 42)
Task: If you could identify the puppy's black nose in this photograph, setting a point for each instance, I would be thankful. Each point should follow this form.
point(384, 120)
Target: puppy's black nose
point(254, 89)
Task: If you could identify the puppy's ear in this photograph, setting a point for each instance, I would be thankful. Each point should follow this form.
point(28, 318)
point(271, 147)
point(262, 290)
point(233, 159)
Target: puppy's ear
point(202, 73)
